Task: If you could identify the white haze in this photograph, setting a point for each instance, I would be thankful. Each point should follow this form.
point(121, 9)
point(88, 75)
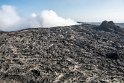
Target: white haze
point(11, 21)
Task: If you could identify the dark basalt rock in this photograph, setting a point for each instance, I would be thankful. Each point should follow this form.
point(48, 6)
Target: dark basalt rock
point(35, 72)
point(73, 54)
point(114, 56)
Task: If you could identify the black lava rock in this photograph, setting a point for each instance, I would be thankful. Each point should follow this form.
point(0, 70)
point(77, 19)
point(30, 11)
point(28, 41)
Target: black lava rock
point(35, 72)
point(112, 56)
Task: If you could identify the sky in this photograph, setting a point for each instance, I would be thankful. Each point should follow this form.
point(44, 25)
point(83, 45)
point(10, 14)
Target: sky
point(48, 13)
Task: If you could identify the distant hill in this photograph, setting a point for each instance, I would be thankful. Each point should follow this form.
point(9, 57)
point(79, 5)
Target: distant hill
point(71, 54)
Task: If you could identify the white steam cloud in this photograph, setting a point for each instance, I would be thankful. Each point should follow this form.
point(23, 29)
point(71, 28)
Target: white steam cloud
point(11, 21)
point(32, 22)
point(51, 19)
point(8, 17)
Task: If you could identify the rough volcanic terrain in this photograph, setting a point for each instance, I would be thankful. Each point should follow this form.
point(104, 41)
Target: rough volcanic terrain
point(71, 54)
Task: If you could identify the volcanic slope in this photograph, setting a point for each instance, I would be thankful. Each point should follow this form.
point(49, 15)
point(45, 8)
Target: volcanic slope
point(70, 54)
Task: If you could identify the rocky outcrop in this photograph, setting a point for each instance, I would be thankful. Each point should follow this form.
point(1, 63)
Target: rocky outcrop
point(109, 26)
point(71, 54)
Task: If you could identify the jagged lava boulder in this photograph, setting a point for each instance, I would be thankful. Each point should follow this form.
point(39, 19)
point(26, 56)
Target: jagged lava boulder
point(71, 54)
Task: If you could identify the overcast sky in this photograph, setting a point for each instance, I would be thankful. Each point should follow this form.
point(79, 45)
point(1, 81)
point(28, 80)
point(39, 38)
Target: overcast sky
point(68, 11)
